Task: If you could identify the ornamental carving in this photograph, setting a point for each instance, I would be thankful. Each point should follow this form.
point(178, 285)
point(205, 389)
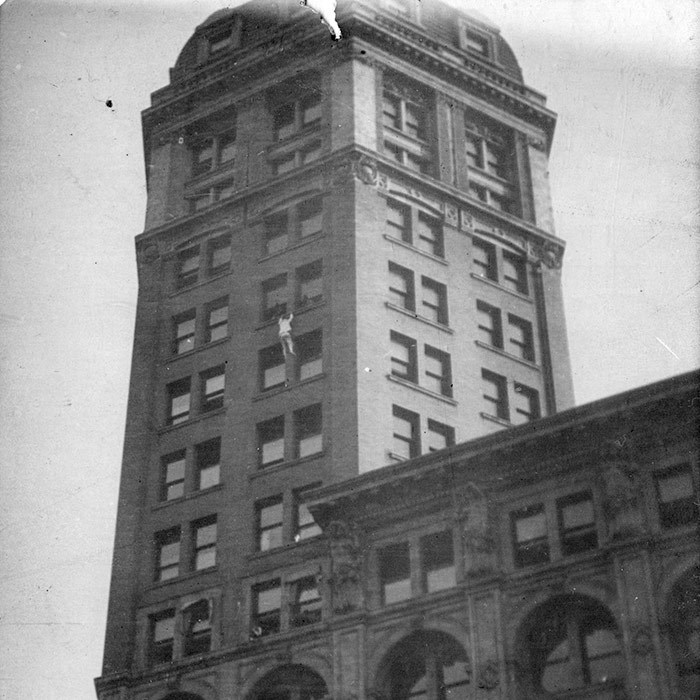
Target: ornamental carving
point(545, 254)
point(473, 514)
point(346, 566)
point(488, 675)
point(149, 254)
point(642, 642)
point(622, 499)
point(359, 168)
point(466, 221)
point(536, 143)
point(451, 215)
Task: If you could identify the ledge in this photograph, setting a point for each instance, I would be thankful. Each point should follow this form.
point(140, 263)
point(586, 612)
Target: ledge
point(295, 311)
point(287, 386)
point(299, 244)
point(173, 358)
point(184, 577)
point(491, 283)
point(422, 319)
point(503, 353)
point(190, 287)
point(495, 419)
point(188, 496)
point(281, 466)
point(422, 390)
point(410, 246)
point(191, 421)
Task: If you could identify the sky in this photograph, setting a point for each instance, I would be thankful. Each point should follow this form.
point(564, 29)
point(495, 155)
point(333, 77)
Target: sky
point(74, 77)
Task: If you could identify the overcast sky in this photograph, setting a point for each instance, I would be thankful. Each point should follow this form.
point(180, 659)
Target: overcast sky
point(623, 78)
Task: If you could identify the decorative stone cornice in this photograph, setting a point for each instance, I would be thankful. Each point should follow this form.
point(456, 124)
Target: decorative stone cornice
point(545, 254)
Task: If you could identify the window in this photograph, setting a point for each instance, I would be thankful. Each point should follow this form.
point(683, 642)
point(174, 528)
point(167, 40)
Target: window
point(161, 637)
point(529, 528)
point(577, 529)
point(276, 233)
point(206, 196)
point(183, 327)
point(427, 666)
point(273, 367)
point(294, 116)
point(439, 436)
point(311, 217)
point(520, 341)
point(274, 297)
point(269, 523)
point(213, 385)
point(271, 441)
point(204, 537)
point(173, 479)
point(187, 267)
point(179, 401)
point(475, 43)
point(484, 259)
point(308, 431)
point(404, 363)
point(684, 630)
point(430, 236)
point(398, 221)
point(437, 557)
point(438, 372)
point(526, 403)
point(288, 161)
point(514, 273)
point(406, 442)
point(196, 619)
point(306, 602)
point(306, 526)
point(573, 644)
point(267, 603)
point(215, 151)
point(309, 284)
point(222, 40)
point(167, 544)
point(395, 573)
point(219, 255)
point(217, 321)
point(405, 121)
point(208, 456)
point(495, 395)
point(309, 349)
point(401, 287)
point(489, 324)
point(434, 301)
point(676, 497)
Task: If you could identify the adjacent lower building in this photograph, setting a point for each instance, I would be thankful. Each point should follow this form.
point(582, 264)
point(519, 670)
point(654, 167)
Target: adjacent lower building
point(351, 466)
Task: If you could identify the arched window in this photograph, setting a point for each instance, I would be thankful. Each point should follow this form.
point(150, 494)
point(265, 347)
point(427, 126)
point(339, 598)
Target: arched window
point(426, 666)
point(684, 609)
point(291, 682)
point(572, 642)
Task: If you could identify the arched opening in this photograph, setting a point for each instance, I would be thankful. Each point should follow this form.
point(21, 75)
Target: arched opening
point(426, 666)
point(291, 682)
point(684, 614)
point(571, 643)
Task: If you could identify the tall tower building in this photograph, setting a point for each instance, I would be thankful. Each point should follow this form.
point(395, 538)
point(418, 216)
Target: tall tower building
point(349, 261)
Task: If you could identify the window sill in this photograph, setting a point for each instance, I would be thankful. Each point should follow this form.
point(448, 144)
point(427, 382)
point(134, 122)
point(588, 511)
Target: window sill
point(397, 133)
point(185, 577)
point(196, 285)
point(286, 547)
point(279, 145)
point(495, 419)
point(299, 244)
point(188, 496)
point(281, 466)
point(503, 353)
point(422, 390)
point(415, 249)
point(296, 312)
point(288, 386)
point(422, 319)
point(492, 283)
point(192, 421)
point(195, 350)
point(203, 179)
